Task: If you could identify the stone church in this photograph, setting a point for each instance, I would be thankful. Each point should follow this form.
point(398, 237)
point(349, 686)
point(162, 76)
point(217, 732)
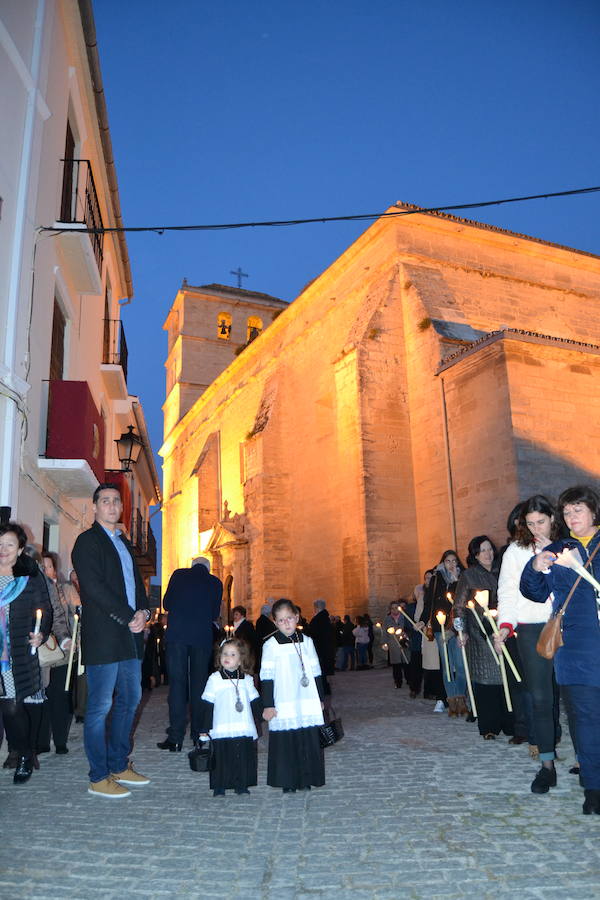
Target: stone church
point(436, 373)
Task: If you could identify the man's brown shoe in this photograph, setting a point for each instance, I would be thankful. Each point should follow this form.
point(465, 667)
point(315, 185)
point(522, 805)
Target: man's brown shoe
point(130, 776)
point(108, 787)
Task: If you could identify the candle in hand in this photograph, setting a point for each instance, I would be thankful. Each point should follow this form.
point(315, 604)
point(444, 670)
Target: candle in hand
point(36, 630)
point(441, 617)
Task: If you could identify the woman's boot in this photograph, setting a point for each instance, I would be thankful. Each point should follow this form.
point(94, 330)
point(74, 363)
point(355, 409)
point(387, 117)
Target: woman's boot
point(461, 706)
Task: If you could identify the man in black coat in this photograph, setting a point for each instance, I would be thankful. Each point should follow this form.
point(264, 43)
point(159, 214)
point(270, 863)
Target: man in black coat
point(244, 630)
point(322, 632)
point(193, 602)
point(264, 628)
point(114, 613)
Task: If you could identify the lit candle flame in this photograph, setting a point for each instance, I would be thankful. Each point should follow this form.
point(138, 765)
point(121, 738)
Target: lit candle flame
point(390, 630)
point(483, 598)
point(398, 631)
point(470, 604)
point(441, 617)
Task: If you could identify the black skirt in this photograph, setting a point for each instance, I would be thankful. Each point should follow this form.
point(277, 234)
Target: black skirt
point(235, 764)
point(295, 759)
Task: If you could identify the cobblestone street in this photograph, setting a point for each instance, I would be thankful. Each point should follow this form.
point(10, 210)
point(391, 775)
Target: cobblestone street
point(416, 806)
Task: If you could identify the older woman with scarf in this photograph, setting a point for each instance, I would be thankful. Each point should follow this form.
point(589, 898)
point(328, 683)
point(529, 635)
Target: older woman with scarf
point(22, 594)
point(492, 712)
point(439, 597)
point(577, 661)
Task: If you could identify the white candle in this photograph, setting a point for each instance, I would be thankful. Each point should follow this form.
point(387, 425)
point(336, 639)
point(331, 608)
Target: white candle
point(36, 630)
point(489, 614)
point(471, 606)
point(72, 651)
point(468, 677)
point(406, 616)
point(441, 617)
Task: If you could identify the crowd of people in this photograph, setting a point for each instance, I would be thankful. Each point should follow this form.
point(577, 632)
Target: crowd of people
point(470, 639)
point(474, 634)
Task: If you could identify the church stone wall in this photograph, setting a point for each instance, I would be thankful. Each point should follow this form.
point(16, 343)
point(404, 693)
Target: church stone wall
point(347, 451)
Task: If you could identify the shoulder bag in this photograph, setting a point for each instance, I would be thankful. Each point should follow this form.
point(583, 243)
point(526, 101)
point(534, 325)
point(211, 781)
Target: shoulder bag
point(551, 638)
point(50, 655)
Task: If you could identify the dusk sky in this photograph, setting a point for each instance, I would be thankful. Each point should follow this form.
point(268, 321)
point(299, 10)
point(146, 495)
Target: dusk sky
point(242, 111)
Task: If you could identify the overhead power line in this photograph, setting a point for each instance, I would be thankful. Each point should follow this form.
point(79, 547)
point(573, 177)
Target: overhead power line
point(362, 217)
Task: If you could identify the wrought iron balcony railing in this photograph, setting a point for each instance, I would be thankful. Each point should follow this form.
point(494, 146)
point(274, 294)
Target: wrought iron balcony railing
point(79, 202)
point(114, 347)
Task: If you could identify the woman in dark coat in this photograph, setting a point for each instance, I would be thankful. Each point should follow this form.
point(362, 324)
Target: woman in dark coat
point(492, 713)
point(577, 662)
point(439, 596)
point(22, 593)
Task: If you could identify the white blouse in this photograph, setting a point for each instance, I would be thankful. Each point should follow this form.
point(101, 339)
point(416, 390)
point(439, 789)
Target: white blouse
point(297, 706)
point(227, 721)
point(513, 607)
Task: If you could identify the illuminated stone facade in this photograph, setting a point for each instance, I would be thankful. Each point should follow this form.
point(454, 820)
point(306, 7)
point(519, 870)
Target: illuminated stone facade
point(433, 375)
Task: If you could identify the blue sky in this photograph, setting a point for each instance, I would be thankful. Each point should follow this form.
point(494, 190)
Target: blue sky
point(236, 111)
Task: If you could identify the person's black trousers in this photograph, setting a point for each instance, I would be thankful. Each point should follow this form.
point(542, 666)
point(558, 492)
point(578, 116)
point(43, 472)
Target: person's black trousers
point(57, 712)
point(188, 673)
point(492, 713)
point(539, 681)
point(21, 725)
point(415, 671)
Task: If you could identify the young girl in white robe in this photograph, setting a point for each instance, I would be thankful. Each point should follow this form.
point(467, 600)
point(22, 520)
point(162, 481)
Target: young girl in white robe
point(292, 694)
point(230, 703)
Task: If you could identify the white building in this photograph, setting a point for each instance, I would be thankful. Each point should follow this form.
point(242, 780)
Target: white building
point(64, 397)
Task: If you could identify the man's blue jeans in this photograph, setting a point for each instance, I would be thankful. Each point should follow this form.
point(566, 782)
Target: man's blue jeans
point(187, 668)
point(117, 686)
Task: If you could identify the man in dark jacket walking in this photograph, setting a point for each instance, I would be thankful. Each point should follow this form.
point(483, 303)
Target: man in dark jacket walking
point(193, 602)
point(322, 632)
point(114, 613)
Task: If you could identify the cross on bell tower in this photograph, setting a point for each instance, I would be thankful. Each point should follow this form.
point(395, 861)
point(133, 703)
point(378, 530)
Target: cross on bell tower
point(239, 274)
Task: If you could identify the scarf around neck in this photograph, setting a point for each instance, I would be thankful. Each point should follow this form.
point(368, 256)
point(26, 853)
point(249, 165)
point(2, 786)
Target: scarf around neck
point(10, 593)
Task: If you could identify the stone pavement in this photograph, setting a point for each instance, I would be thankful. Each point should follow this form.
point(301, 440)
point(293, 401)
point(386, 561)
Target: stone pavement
point(416, 806)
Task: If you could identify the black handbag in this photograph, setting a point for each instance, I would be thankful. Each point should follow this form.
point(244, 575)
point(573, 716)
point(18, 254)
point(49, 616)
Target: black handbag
point(331, 732)
point(201, 757)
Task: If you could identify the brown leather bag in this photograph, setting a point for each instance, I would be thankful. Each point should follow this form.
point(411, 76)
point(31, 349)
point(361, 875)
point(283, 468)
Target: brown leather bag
point(551, 638)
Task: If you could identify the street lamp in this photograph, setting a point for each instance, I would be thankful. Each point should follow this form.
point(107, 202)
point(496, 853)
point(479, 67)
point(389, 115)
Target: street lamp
point(129, 447)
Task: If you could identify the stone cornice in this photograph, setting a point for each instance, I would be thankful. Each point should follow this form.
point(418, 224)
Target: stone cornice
point(515, 334)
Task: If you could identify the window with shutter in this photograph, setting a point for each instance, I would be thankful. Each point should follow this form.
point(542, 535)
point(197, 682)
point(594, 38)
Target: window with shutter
point(57, 349)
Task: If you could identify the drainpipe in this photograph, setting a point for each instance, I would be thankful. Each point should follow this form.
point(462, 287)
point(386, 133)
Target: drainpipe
point(448, 464)
point(17, 387)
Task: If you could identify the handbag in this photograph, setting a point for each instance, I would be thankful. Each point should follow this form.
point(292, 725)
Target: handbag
point(551, 637)
point(202, 757)
point(331, 732)
point(50, 655)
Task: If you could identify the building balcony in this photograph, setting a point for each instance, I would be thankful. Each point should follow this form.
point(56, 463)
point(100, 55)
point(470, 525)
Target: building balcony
point(81, 248)
point(114, 359)
point(74, 457)
point(144, 544)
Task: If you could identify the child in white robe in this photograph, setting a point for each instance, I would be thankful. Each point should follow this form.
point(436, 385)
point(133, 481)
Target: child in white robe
point(292, 694)
point(230, 703)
